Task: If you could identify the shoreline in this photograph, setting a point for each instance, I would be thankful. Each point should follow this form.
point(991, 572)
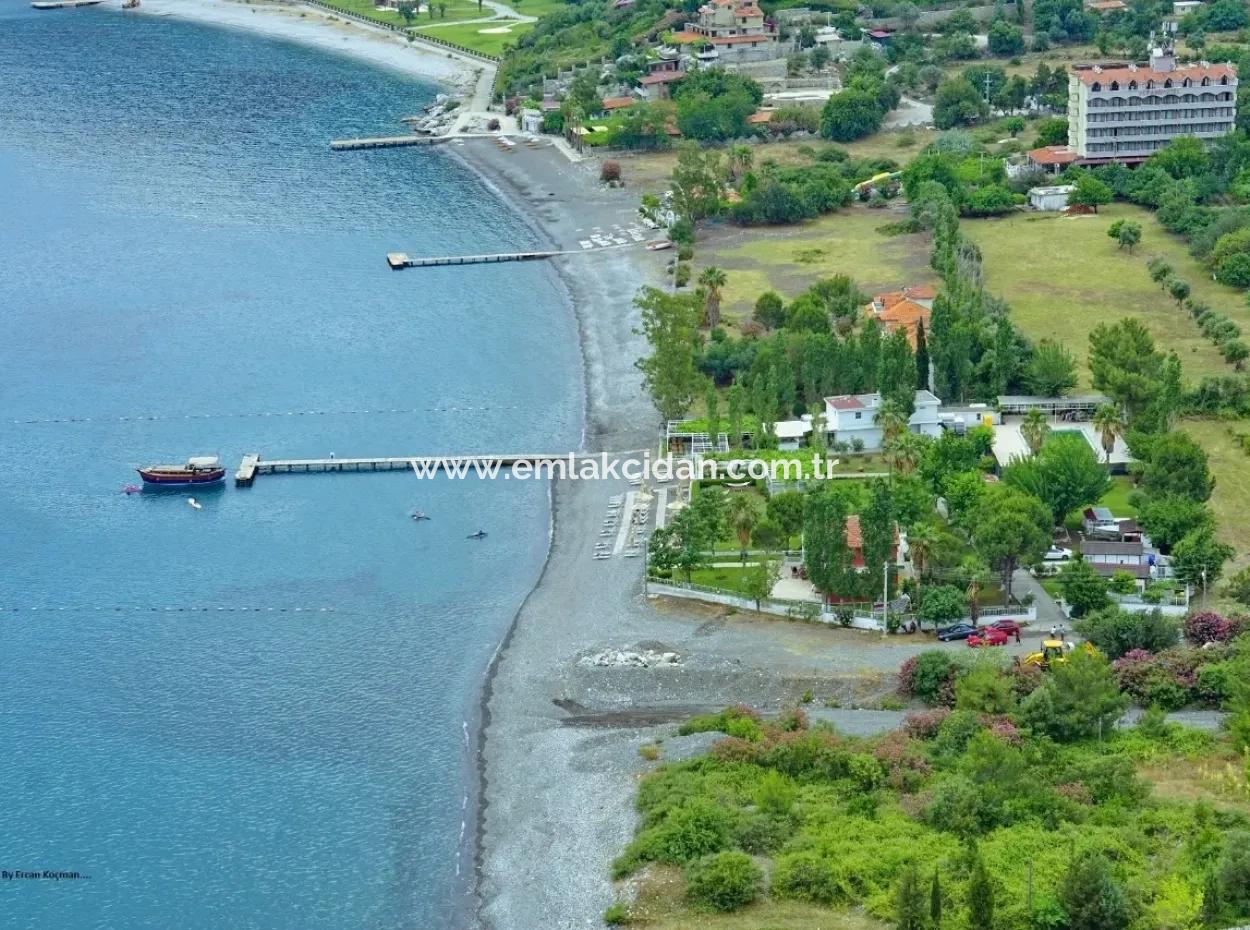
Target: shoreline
point(291, 21)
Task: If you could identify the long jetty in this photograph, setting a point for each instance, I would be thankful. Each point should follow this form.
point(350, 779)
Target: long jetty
point(253, 465)
point(400, 260)
point(384, 142)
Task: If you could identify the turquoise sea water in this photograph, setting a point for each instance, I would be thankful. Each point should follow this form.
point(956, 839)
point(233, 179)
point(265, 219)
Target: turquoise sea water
point(177, 241)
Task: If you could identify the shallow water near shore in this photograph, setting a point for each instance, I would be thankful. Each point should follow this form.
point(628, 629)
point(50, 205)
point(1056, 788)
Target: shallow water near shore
point(258, 713)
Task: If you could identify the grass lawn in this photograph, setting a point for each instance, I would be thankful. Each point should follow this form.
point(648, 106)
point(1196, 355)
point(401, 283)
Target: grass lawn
point(1064, 275)
point(470, 35)
point(730, 578)
point(1116, 500)
point(661, 906)
point(1231, 468)
point(789, 259)
point(456, 9)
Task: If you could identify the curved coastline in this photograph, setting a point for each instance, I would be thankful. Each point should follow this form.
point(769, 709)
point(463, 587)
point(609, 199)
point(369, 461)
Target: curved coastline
point(518, 797)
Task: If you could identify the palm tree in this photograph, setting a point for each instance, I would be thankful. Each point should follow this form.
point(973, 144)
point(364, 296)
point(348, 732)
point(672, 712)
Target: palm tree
point(1109, 425)
point(745, 511)
point(1034, 429)
point(712, 280)
point(740, 159)
point(904, 452)
point(892, 419)
point(975, 574)
point(922, 543)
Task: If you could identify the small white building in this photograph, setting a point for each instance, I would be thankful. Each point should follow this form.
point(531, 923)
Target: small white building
point(1181, 7)
point(849, 417)
point(531, 121)
point(791, 434)
point(1050, 198)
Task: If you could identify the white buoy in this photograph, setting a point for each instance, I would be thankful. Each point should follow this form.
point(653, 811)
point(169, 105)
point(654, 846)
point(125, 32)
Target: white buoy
point(194, 503)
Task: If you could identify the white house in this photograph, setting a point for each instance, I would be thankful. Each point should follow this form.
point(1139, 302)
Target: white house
point(854, 416)
point(791, 434)
point(1050, 198)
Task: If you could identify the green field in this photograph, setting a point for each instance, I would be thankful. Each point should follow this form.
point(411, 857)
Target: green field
point(1064, 275)
point(470, 35)
point(1231, 468)
point(789, 259)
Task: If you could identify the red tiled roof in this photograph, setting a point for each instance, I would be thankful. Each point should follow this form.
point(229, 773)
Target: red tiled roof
point(618, 103)
point(1142, 73)
point(1102, 6)
point(906, 315)
point(845, 402)
point(760, 117)
point(854, 535)
point(1053, 155)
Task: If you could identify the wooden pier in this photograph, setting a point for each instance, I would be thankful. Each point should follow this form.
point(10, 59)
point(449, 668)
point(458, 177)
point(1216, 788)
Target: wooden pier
point(253, 465)
point(400, 260)
point(383, 142)
point(63, 4)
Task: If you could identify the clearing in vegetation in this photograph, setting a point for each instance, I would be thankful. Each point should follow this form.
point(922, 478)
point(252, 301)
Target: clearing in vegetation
point(1231, 468)
point(1064, 275)
point(790, 259)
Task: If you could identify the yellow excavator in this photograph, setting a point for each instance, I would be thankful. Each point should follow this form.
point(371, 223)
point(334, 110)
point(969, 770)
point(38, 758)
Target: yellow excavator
point(1054, 652)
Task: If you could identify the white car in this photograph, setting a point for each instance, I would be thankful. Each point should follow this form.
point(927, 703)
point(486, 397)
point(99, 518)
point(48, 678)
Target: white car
point(1057, 554)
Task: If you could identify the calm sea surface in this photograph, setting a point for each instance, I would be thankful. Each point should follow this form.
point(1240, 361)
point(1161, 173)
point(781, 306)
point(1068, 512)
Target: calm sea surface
point(254, 714)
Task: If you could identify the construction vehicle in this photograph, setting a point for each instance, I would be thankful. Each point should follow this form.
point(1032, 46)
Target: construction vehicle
point(1054, 652)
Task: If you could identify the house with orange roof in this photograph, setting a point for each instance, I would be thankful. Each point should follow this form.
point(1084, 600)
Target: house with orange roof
point(904, 310)
point(735, 30)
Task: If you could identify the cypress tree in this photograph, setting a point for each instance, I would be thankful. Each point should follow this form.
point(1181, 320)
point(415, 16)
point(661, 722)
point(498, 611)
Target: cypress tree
point(980, 896)
point(922, 358)
point(909, 901)
point(935, 902)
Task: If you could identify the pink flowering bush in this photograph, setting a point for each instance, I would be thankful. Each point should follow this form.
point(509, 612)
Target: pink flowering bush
point(1207, 627)
point(924, 724)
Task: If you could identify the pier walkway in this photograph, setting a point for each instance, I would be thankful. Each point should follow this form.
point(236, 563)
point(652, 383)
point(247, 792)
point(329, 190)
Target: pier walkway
point(384, 142)
point(400, 260)
point(422, 465)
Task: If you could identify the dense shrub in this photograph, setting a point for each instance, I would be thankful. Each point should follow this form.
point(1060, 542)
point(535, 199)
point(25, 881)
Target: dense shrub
point(930, 677)
point(1116, 632)
point(739, 721)
point(724, 882)
point(924, 724)
point(1205, 627)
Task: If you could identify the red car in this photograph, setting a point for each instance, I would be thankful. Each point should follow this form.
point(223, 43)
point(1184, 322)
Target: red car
point(989, 636)
point(1010, 627)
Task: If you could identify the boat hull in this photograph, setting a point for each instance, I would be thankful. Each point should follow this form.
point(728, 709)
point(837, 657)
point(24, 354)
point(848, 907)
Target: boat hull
point(169, 479)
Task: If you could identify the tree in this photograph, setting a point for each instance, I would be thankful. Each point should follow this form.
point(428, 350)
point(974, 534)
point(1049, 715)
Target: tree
point(740, 159)
point(745, 512)
point(1010, 527)
point(850, 115)
point(826, 554)
point(1198, 559)
point(1117, 632)
point(712, 280)
point(408, 11)
point(909, 903)
point(786, 510)
point(1035, 429)
point(1169, 517)
point(1005, 40)
point(980, 895)
point(957, 103)
point(1079, 699)
point(1052, 131)
point(1109, 425)
point(735, 416)
point(770, 310)
point(922, 358)
point(697, 184)
point(761, 580)
point(1173, 464)
point(1083, 588)
point(583, 98)
point(1015, 125)
point(1126, 233)
point(711, 400)
point(935, 902)
point(670, 323)
point(1065, 475)
point(1160, 271)
point(767, 536)
point(1124, 364)
point(1051, 371)
point(941, 605)
point(1091, 896)
point(975, 575)
point(1090, 192)
point(876, 525)
point(922, 542)
point(1179, 290)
